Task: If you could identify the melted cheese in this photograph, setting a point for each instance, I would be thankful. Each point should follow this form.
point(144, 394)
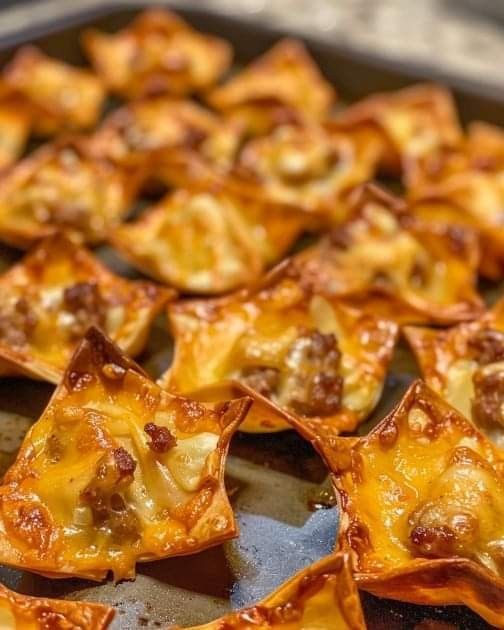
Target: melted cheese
point(466, 187)
point(307, 167)
point(62, 186)
point(7, 618)
point(422, 486)
point(270, 329)
point(407, 270)
point(206, 242)
point(459, 388)
point(175, 137)
point(92, 490)
point(468, 499)
point(449, 364)
point(40, 279)
point(186, 461)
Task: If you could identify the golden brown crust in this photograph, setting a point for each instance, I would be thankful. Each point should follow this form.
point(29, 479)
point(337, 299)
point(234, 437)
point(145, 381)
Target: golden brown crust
point(159, 129)
point(63, 186)
point(421, 499)
point(283, 77)
point(385, 261)
point(306, 166)
point(39, 613)
point(87, 495)
point(411, 123)
point(314, 358)
point(323, 595)
point(442, 583)
point(464, 365)
point(158, 53)
point(464, 186)
point(14, 130)
point(50, 298)
point(210, 240)
point(58, 96)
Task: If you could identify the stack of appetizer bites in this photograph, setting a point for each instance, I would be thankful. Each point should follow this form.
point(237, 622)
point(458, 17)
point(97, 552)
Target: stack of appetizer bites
point(264, 207)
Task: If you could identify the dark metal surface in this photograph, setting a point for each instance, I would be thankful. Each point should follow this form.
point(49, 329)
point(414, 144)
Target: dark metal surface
point(275, 481)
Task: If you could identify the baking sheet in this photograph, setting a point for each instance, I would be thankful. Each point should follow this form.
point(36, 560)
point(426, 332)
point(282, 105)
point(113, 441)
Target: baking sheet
point(277, 483)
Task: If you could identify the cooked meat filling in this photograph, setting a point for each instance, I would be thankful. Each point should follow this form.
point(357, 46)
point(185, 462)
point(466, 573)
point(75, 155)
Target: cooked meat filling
point(87, 306)
point(462, 513)
point(17, 322)
point(309, 382)
point(161, 438)
point(487, 346)
point(313, 385)
point(264, 380)
point(104, 495)
point(488, 401)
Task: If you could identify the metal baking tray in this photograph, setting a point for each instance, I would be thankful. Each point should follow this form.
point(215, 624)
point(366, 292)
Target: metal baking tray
point(277, 483)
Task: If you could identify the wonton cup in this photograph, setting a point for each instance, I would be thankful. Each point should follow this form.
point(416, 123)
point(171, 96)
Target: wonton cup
point(465, 186)
point(62, 186)
point(156, 129)
point(116, 471)
point(208, 241)
point(283, 78)
point(157, 53)
point(410, 123)
point(307, 167)
point(50, 298)
point(384, 261)
point(465, 365)
point(323, 595)
point(22, 612)
point(423, 498)
point(297, 352)
point(58, 96)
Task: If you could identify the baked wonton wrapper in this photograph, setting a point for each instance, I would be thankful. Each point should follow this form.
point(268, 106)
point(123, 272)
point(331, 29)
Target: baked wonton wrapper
point(305, 353)
point(158, 53)
point(307, 167)
point(465, 186)
point(412, 122)
point(321, 596)
point(465, 365)
point(282, 79)
point(22, 612)
point(385, 261)
point(63, 186)
point(58, 96)
point(423, 505)
point(14, 131)
point(208, 241)
point(116, 471)
point(152, 128)
point(51, 297)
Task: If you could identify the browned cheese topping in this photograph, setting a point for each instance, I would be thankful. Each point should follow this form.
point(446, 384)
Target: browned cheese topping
point(461, 512)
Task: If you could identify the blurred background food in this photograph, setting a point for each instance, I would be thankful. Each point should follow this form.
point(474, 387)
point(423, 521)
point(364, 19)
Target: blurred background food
point(462, 37)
